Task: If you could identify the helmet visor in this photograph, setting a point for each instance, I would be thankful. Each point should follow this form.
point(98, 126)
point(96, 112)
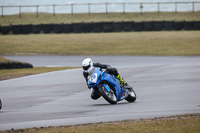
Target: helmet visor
point(86, 67)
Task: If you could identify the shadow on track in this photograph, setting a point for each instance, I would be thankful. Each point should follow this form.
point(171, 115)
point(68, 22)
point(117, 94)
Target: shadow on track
point(120, 103)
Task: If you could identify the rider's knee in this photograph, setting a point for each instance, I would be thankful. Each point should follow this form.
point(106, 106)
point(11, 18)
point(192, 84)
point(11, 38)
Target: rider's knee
point(115, 72)
point(95, 96)
point(112, 70)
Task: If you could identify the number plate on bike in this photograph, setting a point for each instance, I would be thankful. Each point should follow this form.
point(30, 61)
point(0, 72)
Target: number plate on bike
point(93, 78)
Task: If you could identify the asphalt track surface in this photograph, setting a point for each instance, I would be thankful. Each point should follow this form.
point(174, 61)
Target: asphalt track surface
point(165, 86)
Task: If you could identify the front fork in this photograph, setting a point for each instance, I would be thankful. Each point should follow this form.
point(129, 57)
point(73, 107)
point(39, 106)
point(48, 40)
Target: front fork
point(106, 86)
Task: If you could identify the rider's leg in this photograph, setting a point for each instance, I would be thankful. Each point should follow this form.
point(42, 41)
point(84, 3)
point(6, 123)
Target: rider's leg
point(94, 95)
point(122, 82)
point(120, 79)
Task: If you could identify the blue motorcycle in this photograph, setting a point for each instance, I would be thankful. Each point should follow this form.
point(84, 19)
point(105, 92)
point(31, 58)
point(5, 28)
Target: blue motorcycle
point(108, 86)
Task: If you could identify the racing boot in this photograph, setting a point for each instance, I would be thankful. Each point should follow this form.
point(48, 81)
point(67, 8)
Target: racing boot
point(123, 83)
point(127, 86)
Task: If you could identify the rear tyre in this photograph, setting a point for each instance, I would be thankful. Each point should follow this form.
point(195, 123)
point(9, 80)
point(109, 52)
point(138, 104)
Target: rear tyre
point(131, 96)
point(108, 96)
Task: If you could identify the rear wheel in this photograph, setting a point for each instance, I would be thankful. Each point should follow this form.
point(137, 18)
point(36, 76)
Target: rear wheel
point(108, 96)
point(131, 96)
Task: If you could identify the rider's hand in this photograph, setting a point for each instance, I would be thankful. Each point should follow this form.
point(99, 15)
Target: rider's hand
point(108, 69)
point(89, 87)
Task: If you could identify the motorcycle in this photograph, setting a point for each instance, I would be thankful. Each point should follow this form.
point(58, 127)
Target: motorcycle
point(109, 87)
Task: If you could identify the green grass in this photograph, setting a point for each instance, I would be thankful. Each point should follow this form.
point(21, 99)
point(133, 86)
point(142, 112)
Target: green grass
point(67, 18)
point(4, 60)
point(16, 73)
point(177, 124)
point(165, 43)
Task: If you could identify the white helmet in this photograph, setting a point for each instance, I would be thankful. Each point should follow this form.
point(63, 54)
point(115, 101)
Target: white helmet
point(87, 65)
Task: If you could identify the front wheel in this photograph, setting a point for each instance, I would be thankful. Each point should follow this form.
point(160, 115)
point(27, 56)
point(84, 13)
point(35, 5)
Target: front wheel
point(108, 96)
point(131, 96)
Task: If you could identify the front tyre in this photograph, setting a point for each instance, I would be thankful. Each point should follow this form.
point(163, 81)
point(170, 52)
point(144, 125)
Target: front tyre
point(108, 96)
point(131, 96)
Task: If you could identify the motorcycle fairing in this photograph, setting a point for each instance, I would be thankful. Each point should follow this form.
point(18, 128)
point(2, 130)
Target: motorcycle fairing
point(98, 76)
point(111, 80)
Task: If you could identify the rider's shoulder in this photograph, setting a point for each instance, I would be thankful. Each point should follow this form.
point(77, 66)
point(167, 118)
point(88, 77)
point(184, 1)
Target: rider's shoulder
point(97, 64)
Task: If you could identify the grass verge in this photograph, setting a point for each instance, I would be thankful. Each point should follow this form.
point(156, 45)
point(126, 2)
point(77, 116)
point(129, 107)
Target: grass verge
point(98, 17)
point(188, 123)
point(165, 43)
point(4, 60)
point(11, 64)
point(16, 73)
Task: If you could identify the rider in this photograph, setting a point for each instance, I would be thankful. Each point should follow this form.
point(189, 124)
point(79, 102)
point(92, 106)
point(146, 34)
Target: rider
point(89, 67)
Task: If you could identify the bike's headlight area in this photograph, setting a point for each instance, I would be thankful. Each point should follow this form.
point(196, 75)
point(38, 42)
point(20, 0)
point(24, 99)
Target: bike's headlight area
point(92, 84)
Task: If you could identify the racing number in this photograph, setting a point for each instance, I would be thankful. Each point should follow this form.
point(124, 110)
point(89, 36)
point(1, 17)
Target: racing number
point(92, 77)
